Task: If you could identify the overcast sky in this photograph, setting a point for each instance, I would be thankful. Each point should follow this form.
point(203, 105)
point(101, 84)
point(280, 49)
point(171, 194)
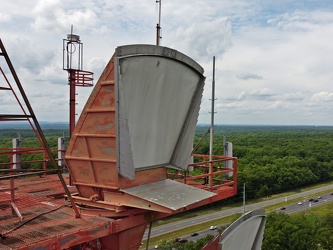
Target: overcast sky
point(274, 59)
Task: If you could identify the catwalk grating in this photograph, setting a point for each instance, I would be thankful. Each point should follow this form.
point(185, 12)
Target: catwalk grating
point(48, 220)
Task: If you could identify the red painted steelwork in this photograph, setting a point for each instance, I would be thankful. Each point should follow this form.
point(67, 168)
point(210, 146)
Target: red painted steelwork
point(95, 128)
point(76, 78)
point(92, 161)
point(106, 225)
point(50, 223)
point(112, 217)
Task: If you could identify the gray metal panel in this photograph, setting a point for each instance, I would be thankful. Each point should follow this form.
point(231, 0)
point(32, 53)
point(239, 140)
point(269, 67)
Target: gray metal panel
point(146, 49)
point(168, 193)
point(182, 154)
point(159, 92)
point(125, 162)
point(249, 228)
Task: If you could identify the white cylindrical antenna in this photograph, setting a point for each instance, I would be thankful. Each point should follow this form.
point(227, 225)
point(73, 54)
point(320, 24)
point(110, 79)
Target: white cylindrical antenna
point(158, 26)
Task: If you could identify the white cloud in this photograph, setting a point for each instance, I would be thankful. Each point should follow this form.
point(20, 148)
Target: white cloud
point(204, 39)
point(262, 92)
point(269, 55)
point(302, 20)
point(4, 18)
point(242, 96)
point(52, 16)
point(322, 97)
point(95, 65)
point(298, 96)
point(247, 76)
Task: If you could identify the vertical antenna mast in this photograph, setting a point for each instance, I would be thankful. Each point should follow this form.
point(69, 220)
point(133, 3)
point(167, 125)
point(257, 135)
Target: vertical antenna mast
point(212, 114)
point(158, 26)
point(72, 63)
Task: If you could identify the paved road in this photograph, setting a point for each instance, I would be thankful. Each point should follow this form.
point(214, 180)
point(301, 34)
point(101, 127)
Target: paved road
point(163, 229)
point(307, 202)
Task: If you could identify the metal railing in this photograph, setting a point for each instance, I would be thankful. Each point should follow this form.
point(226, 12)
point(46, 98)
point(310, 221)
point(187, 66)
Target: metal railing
point(210, 175)
point(8, 172)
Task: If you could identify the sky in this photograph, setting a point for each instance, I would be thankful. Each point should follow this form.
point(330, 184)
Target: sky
point(274, 59)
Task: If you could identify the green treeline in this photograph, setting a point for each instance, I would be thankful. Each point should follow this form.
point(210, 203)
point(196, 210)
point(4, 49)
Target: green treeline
point(300, 231)
point(271, 159)
point(274, 159)
point(189, 245)
point(29, 140)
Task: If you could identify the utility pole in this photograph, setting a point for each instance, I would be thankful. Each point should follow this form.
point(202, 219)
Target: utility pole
point(244, 199)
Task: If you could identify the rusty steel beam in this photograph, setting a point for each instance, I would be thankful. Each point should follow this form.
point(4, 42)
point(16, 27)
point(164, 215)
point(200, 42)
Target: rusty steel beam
point(38, 127)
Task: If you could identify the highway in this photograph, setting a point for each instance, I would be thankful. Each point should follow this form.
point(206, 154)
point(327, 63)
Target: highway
point(291, 208)
point(306, 203)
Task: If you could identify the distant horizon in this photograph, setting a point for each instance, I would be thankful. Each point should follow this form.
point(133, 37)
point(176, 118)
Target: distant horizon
point(61, 124)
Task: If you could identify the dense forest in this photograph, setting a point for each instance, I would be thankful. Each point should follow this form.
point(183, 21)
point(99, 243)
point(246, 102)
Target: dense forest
point(300, 231)
point(271, 159)
point(29, 141)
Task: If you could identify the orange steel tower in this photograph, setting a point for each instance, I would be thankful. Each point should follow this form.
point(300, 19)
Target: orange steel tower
point(129, 157)
point(130, 152)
